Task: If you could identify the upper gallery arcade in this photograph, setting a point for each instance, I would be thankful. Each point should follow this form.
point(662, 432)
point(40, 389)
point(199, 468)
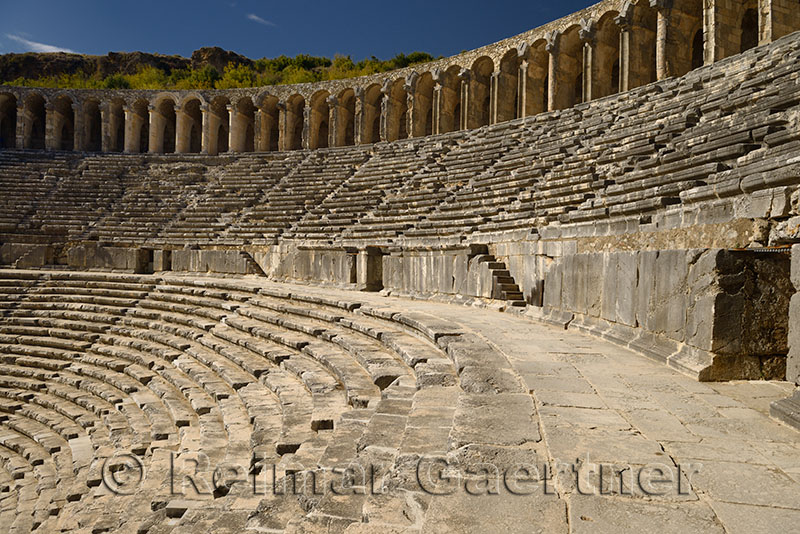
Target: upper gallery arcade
point(607, 48)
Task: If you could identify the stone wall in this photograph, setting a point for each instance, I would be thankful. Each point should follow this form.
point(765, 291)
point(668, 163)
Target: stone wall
point(325, 265)
point(789, 409)
point(714, 313)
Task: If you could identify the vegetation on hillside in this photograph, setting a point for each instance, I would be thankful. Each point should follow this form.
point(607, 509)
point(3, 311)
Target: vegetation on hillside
point(278, 71)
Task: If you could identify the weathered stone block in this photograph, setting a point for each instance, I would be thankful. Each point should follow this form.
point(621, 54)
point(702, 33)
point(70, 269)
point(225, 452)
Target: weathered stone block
point(627, 277)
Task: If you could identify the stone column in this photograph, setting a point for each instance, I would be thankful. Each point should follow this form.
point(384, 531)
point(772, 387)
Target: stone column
point(410, 117)
point(205, 140)
point(50, 141)
point(257, 134)
point(283, 122)
point(436, 108)
point(333, 122)
point(307, 127)
point(182, 138)
point(233, 134)
point(587, 36)
point(662, 35)
point(358, 117)
point(466, 79)
point(552, 70)
point(22, 121)
point(788, 410)
point(130, 147)
point(494, 94)
point(154, 122)
point(105, 128)
point(522, 89)
point(624, 52)
point(386, 107)
point(78, 123)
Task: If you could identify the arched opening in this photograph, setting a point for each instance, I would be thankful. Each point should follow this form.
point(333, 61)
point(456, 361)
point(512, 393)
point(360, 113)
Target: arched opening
point(569, 69)
point(749, 30)
point(397, 117)
point(268, 127)
point(320, 115)
point(34, 123)
point(243, 120)
point(345, 118)
point(92, 126)
point(371, 114)
point(116, 125)
point(639, 67)
point(139, 128)
point(162, 127)
point(8, 121)
point(605, 64)
point(63, 123)
point(697, 50)
point(422, 117)
point(450, 100)
point(295, 109)
point(479, 91)
point(218, 126)
point(190, 127)
point(507, 81)
point(536, 82)
point(685, 19)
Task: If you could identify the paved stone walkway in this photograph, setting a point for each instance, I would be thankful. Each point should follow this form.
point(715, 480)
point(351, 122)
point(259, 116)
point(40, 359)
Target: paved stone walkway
point(604, 408)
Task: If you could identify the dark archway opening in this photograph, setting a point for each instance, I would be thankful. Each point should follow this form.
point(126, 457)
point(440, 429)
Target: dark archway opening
point(749, 30)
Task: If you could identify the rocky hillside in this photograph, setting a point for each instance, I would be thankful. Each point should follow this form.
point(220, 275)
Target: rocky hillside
point(33, 65)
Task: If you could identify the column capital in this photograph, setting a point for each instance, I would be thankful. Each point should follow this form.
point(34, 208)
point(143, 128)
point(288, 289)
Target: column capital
point(552, 39)
point(332, 100)
point(465, 75)
point(587, 33)
point(522, 50)
point(281, 105)
point(151, 108)
point(359, 92)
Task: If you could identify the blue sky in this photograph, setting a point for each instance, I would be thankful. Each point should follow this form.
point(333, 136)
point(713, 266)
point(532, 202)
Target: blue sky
point(267, 29)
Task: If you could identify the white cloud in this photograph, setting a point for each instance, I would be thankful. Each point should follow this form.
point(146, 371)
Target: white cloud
point(256, 18)
point(33, 46)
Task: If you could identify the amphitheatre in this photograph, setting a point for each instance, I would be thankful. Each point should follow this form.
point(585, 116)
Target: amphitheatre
point(547, 285)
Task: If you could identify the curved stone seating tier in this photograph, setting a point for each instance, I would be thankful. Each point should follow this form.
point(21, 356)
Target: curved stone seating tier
point(94, 364)
point(658, 148)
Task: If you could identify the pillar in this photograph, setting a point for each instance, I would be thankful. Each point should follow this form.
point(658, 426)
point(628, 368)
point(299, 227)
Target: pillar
point(283, 122)
point(552, 70)
point(466, 79)
point(50, 141)
point(587, 36)
point(385, 108)
point(662, 31)
point(22, 121)
point(522, 89)
point(257, 126)
point(334, 123)
point(154, 123)
point(205, 140)
point(77, 121)
point(182, 137)
point(105, 128)
point(358, 117)
point(130, 146)
point(410, 117)
point(306, 127)
point(494, 94)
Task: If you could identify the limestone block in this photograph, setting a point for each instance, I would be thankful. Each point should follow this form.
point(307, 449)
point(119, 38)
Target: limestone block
point(793, 360)
point(609, 290)
point(645, 289)
point(593, 284)
point(627, 278)
point(667, 313)
point(796, 267)
point(552, 287)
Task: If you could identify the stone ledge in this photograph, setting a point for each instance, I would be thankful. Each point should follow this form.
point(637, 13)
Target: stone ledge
point(787, 410)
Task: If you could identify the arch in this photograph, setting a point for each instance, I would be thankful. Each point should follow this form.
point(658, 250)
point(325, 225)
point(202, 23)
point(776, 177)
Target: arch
point(319, 127)
point(507, 83)
point(189, 124)
point(345, 118)
point(568, 70)
point(242, 124)
point(34, 122)
point(116, 125)
point(605, 58)
point(63, 123)
point(8, 120)
point(685, 19)
point(535, 97)
point(268, 124)
point(748, 29)
point(218, 126)
point(638, 23)
point(137, 128)
point(163, 120)
point(479, 92)
point(371, 114)
point(92, 126)
point(397, 111)
point(294, 120)
point(422, 116)
point(450, 100)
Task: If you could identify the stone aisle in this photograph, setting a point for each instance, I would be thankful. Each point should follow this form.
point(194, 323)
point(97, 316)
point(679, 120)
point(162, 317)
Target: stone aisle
point(603, 408)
